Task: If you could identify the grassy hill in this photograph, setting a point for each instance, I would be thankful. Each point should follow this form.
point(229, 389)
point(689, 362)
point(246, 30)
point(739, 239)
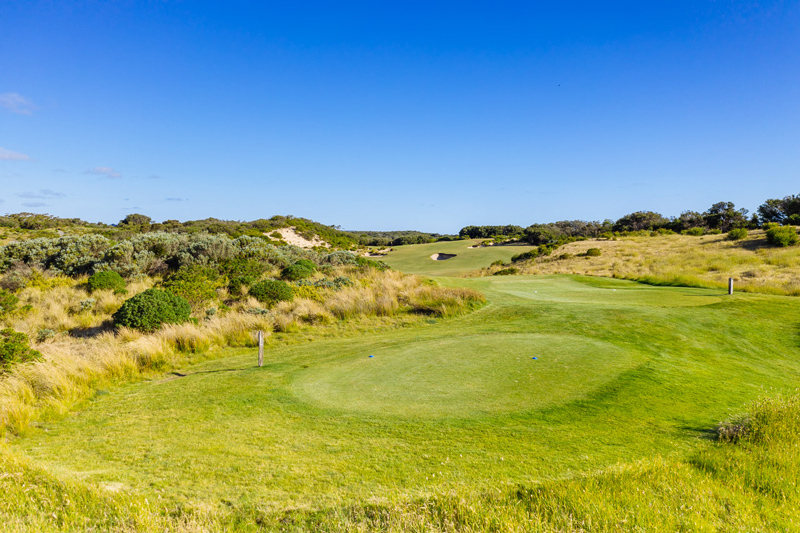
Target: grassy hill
point(416, 258)
point(627, 383)
point(703, 261)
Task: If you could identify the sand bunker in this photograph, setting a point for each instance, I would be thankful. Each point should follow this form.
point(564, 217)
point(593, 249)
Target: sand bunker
point(442, 257)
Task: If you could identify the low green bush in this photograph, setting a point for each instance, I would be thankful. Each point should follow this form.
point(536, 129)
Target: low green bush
point(148, 310)
point(593, 252)
point(237, 284)
point(506, 272)
point(107, 279)
point(306, 263)
point(271, 292)
point(737, 234)
point(8, 302)
point(782, 236)
point(196, 283)
point(296, 272)
point(15, 348)
point(696, 231)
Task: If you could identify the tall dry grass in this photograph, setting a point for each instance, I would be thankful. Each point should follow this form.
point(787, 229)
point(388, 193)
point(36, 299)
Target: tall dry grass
point(706, 261)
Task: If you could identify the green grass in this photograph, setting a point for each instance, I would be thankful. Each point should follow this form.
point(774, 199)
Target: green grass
point(625, 373)
point(416, 258)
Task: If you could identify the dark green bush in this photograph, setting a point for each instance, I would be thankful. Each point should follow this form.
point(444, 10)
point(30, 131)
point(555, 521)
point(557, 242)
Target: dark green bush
point(296, 272)
point(15, 348)
point(106, 280)
point(239, 267)
point(506, 272)
point(593, 252)
point(8, 302)
point(148, 310)
point(737, 234)
point(306, 263)
point(235, 285)
point(271, 291)
point(782, 236)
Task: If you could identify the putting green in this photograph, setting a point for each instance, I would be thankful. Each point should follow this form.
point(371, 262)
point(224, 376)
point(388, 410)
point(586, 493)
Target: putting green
point(466, 376)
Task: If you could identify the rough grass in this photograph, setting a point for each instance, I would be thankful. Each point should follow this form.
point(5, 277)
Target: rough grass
point(291, 445)
point(747, 486)
point(680, 260)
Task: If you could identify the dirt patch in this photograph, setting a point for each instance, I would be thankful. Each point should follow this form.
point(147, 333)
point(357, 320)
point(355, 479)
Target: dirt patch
point(291, 236)
point(442, 257)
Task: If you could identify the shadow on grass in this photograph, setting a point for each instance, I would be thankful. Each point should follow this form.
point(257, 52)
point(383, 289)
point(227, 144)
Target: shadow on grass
point(83, 333)
point(704, 433)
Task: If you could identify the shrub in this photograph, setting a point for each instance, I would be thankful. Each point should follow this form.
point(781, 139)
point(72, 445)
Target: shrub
point(16, 277)
point(782, 236)
point(306, 263)
point(696, 232)
point(148, 310)
point(737, 234)
point(44, 334)
point(593, 252)
point(296, 272)
point(106, 280)
point(195, 283)
point(8, 302)
point(15, 348)
point(272, 291)
point(506, 272)
point(235, 285)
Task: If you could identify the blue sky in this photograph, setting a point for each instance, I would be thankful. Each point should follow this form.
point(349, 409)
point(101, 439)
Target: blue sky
point(406, 115)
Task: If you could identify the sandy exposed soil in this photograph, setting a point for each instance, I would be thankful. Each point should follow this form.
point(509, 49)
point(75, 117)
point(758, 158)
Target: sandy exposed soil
point(291, 236)
point(442, 257)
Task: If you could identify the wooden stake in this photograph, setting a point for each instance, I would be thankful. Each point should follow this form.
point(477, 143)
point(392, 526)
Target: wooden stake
point(730, 285)
point(260, 348)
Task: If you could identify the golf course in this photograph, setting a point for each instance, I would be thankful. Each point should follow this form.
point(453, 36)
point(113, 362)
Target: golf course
point(555, 377)
point(463, 256)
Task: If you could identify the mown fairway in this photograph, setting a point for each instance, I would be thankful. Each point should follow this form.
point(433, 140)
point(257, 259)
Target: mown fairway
point(416, 258)
point(623, 371)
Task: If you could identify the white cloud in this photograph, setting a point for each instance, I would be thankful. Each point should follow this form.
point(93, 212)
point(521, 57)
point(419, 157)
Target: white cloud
point(174, 199)
point(8, 155)
point(16, 103)
point(34, 204)
point(42, 194)
point(104, 171)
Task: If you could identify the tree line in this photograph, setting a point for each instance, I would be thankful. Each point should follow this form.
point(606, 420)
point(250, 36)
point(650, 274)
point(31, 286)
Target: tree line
point(720, 217)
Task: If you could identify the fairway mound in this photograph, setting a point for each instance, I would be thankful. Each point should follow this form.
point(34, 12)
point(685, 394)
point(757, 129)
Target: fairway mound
point(442, 257)
point(465, 376)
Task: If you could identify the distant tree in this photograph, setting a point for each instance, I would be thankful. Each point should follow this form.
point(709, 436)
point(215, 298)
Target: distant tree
point(779, 210)
point(641, 220)
point(724, 216)
point(687, 220)
point(135, 219)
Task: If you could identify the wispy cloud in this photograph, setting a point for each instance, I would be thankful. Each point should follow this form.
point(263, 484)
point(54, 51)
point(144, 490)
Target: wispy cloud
point(8, 155)
point(154, 177)
point(61, 171)
point(104, 171)
point(44, 194)
point(16, 103)
point(34, 204)
point(174, 199)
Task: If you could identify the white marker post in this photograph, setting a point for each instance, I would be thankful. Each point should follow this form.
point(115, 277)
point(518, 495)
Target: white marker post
point(730, 286)
point(260, 348)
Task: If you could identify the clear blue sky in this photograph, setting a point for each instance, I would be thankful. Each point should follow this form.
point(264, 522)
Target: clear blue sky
point(397, 115)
